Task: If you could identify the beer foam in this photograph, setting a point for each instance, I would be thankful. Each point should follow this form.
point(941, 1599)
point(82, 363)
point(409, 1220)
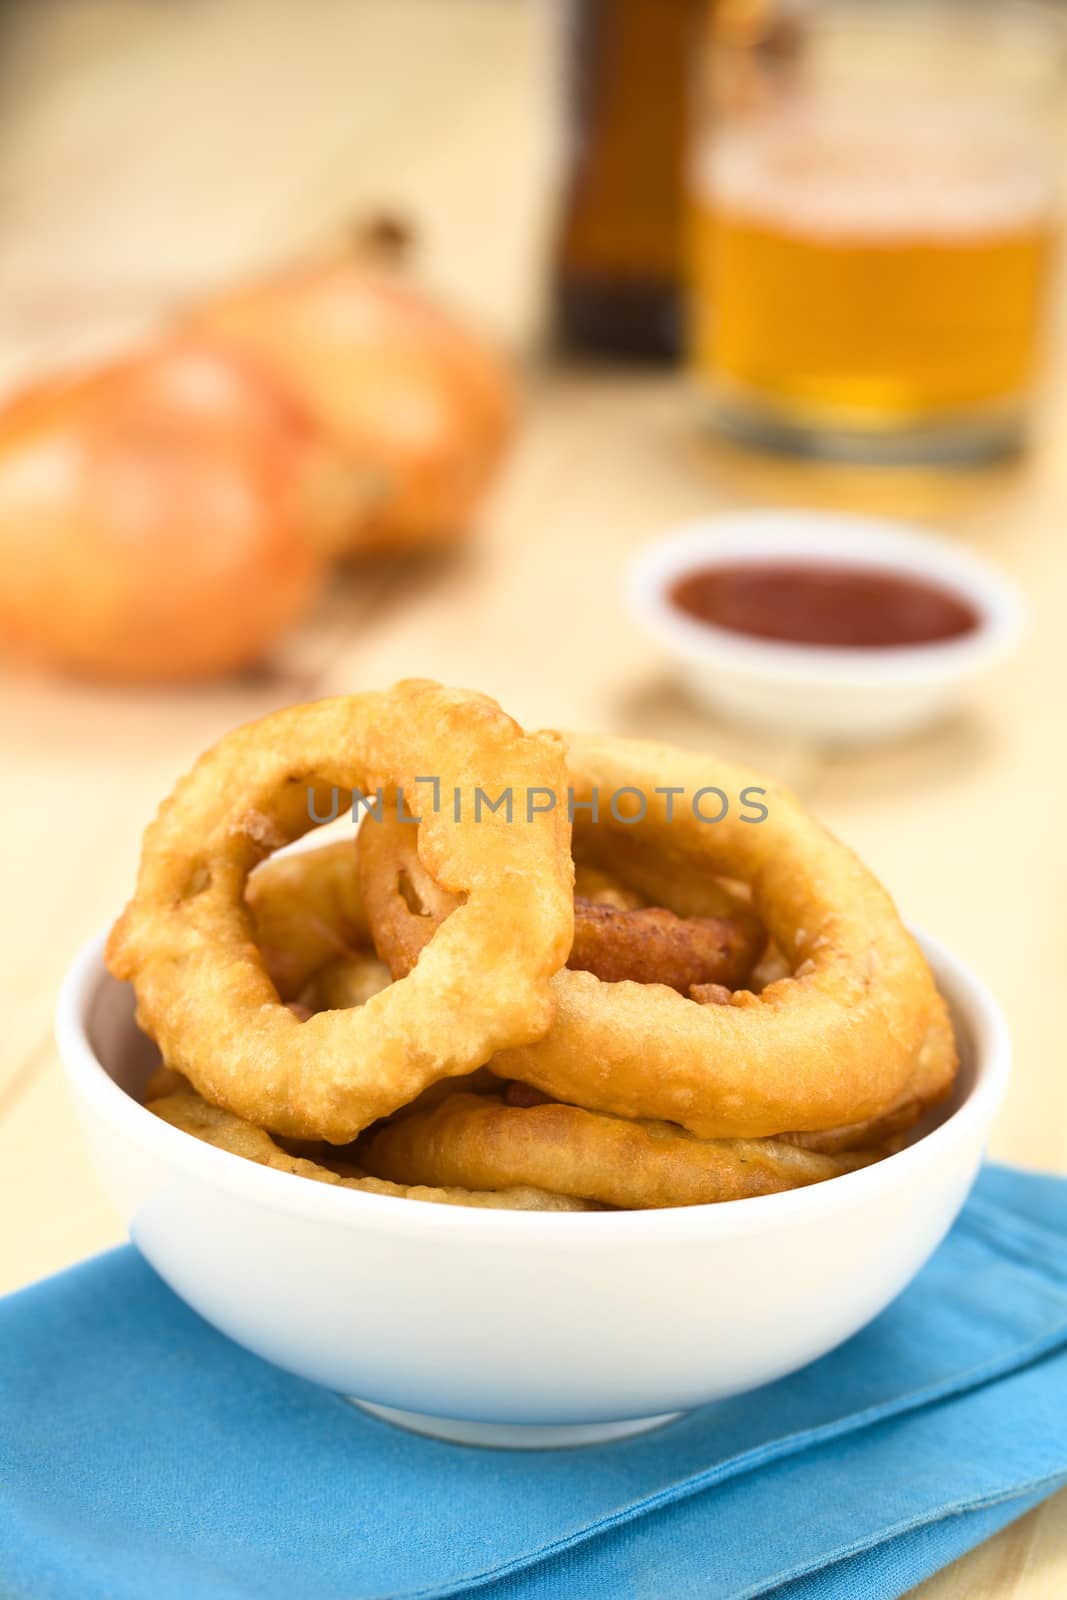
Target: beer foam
point(931, 182)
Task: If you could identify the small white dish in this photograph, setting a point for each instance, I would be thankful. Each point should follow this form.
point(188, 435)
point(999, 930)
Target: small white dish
point(516, 1328)
point(831, 693)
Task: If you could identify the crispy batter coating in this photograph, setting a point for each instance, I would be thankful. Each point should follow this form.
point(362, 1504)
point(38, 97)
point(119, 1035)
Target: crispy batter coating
point(345, 982)
point(309, 902)
point(405, 905)
point(311, 929)
point(604, 888)
point(640, 1075)
point(185, 940)
point(855, 1031)
point(652, 945)
point(931, 1085)
point(306, 915)
point(183, 1108)
point(710, 994)
point(852, 1033)
point(614, 937)
point(485, 1141)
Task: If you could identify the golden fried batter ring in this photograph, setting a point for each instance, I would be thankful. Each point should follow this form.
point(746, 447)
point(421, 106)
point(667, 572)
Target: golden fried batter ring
point(484, 1142)
point(856, 1031)
point(935, 1072)
point(308, 904)
point(858, 1028)
point(612, 938)
point(185, 940)
point(183, 1108)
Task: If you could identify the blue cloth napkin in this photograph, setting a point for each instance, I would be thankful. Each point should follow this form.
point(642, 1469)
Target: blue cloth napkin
point(143, 1454)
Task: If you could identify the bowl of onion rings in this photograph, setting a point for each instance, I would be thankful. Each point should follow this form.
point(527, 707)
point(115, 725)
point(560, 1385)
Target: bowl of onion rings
point(602, 1122)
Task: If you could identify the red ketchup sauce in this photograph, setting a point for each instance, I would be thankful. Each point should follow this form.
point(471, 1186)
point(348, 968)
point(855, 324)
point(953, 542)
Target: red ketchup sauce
point(823, 604)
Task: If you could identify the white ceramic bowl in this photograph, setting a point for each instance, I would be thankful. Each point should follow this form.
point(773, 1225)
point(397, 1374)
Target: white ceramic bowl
point(827, 693)
point(520, 1328)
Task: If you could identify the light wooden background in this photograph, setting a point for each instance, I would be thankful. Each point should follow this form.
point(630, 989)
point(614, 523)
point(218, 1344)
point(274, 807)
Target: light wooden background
point(150, 151)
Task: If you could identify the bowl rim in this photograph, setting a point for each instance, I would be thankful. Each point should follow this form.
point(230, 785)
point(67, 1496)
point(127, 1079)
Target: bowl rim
point(815, 536)
point(282, 1191)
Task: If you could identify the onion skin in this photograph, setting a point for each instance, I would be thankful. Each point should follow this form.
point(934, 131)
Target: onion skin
point(157, 518)
point(413, 400)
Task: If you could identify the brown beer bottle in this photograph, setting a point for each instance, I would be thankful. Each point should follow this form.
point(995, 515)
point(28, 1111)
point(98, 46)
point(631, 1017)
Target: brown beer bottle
point(619, 257)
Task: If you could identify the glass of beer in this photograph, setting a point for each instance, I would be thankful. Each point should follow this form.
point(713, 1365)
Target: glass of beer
point(872, 214)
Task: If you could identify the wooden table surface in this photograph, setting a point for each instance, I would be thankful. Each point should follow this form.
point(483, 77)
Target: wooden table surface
point(258, 135)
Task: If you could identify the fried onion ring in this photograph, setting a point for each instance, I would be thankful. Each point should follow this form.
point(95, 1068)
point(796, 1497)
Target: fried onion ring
point(855, 1033)
point(183, 1108)
point(185, 940)
point(612, 938)
point(485, 1142)
point(309, 903)
point(856, 1030)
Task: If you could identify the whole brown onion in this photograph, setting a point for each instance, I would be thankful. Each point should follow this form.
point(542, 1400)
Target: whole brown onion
point(416, 402)
point(159, 519)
